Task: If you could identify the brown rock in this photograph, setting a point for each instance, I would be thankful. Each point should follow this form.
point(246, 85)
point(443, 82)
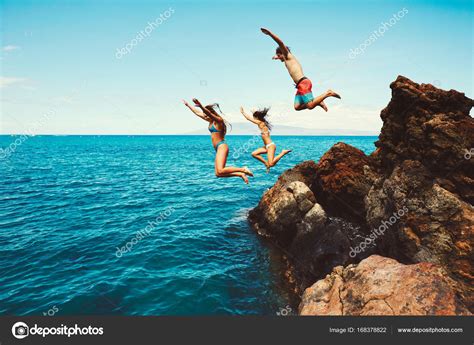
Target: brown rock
point(290, 216)
point(383, 286)
point(417, 186)
point(343, 178)
point(432, 126)
point(437, 226)
point(285, 205)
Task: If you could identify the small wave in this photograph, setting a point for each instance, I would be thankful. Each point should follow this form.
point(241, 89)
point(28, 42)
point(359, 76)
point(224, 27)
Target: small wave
point(241, 215)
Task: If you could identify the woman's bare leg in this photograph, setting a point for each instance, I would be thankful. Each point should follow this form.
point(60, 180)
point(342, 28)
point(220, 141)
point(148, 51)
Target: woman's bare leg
point(319, 100)
point(270, 156)
point(257, 155)
point(280, 156)
point(236, 174)
point(221, 160)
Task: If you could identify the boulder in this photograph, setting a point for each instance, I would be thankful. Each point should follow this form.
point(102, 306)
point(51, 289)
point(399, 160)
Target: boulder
point(290, 216)
point(383, 286)
point(343, 179)
point(283, 207)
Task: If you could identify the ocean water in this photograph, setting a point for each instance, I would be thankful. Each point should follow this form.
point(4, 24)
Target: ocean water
point(68, 203)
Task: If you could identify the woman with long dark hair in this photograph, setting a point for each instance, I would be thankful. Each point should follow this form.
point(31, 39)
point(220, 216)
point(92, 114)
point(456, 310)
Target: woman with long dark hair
point(259, 118)
point(218, 129)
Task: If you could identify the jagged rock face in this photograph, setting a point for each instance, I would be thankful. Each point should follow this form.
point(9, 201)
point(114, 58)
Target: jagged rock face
point(417, 186)
point(382, 286)
point(422, 151)
point(425, 175)
point(315, 250)
point(435, 226)
point(432, 126)
point(343, 178)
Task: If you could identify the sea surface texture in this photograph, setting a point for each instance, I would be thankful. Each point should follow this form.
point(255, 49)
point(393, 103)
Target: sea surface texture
point(139, 225)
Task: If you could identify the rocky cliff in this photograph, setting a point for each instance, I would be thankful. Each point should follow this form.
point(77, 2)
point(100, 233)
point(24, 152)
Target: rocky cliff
point(410, 201)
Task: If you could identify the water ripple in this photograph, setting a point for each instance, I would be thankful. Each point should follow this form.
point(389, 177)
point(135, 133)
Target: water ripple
point(69, 203)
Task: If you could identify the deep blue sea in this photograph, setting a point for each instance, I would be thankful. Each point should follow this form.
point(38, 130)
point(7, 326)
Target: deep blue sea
point(69, 202)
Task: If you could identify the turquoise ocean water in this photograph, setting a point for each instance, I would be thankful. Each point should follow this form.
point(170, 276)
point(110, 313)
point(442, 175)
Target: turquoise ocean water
point(68, 203)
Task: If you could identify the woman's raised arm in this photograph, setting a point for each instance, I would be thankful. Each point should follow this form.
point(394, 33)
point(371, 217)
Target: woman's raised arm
point(207, 112)
point(198, 113)
point(248, 117)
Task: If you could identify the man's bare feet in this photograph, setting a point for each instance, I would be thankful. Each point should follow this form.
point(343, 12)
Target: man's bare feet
point(247, 171)
point(323, 105)
point(245, 178)
point(331, 93)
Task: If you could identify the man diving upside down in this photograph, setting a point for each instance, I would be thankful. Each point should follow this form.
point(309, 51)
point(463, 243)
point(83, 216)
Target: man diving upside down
point(304, 97)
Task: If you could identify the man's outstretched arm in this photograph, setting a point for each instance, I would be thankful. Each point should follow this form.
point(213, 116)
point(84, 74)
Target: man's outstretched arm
point(277, 39)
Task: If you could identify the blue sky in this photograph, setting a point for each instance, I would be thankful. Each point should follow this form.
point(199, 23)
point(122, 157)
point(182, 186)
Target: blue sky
point(60, 74)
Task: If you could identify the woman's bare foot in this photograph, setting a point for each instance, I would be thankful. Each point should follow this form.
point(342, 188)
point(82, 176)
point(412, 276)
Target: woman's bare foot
point(323, 105)
point(245, 178)
point(285, 152)
point(331, 93)
point(247, 171)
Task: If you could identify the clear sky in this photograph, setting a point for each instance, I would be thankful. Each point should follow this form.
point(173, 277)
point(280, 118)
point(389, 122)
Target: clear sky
point(60, 72)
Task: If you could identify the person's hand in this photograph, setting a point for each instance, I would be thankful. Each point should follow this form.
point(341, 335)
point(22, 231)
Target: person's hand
point(195, 100)
point(242, 110)
point(265, 31)
point(185, 103)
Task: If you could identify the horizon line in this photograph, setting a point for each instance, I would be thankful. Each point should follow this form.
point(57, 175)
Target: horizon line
point(186, 135)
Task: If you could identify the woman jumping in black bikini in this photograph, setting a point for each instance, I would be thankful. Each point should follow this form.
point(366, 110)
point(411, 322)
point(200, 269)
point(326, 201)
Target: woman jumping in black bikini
point(218, 129)
point(260, 119)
